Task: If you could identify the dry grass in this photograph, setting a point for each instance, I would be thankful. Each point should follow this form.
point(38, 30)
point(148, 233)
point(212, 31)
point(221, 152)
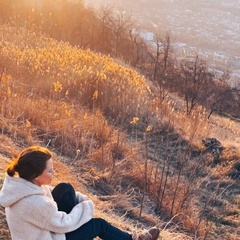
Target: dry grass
point(141, 160)
point(106, 206)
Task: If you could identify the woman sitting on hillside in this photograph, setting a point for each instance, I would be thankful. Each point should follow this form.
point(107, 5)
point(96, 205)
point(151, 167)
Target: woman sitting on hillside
point(37, 212)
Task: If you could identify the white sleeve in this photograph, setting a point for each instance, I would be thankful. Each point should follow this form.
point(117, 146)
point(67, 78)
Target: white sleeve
point(43, 213)
point(60, 222)
point(81, 197)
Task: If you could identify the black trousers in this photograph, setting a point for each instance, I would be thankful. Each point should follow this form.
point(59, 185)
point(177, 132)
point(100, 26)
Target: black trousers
point(65, 197)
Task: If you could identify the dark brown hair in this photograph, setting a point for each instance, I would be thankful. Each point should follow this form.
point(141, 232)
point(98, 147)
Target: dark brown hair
point(30, 163)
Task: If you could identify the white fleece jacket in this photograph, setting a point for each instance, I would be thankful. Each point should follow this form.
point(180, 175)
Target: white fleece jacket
point(32, 213)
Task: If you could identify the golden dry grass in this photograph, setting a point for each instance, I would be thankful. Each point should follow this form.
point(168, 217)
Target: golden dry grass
point(114, 139)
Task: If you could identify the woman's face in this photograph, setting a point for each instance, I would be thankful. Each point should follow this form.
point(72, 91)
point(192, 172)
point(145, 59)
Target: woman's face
point(46, 177)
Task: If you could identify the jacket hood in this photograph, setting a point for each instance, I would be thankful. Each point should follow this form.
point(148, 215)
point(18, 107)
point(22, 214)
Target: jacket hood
point(15, 189)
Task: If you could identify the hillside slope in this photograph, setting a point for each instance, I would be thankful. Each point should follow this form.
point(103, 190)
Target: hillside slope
point(141, 159)
point(65, 173)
